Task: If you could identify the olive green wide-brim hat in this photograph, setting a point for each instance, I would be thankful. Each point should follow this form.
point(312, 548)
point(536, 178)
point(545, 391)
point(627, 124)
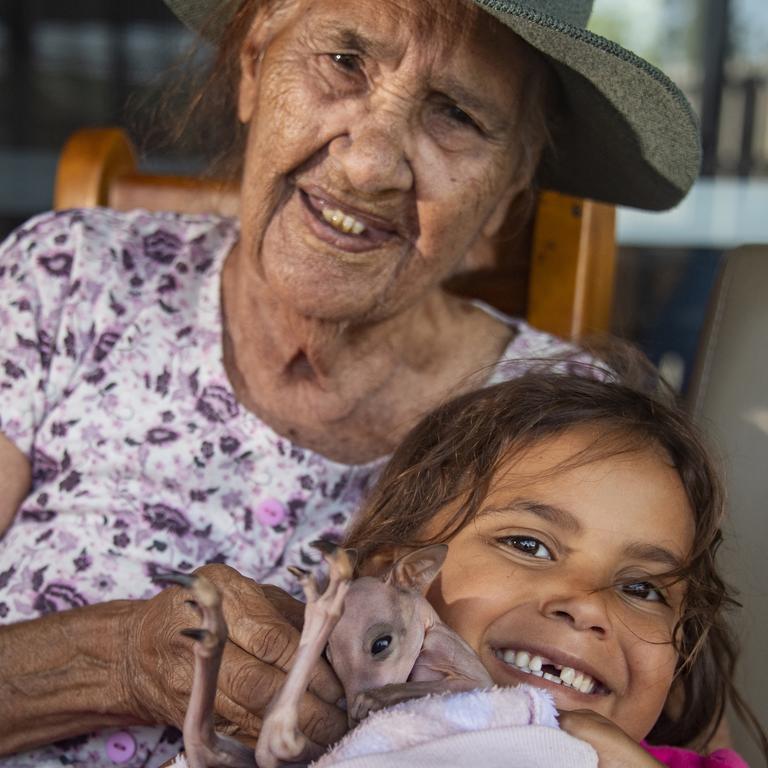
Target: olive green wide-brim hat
point(628, 135)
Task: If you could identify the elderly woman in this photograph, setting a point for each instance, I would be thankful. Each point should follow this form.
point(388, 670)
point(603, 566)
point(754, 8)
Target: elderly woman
point(184, 390)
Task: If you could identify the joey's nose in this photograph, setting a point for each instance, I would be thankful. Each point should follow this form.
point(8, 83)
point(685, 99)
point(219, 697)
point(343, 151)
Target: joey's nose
point(373, 161)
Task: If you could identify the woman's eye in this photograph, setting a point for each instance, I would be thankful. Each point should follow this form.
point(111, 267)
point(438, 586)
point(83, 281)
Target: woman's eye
point(458, 115)
point(644, 590)
point(528, 545)
point(346, 61)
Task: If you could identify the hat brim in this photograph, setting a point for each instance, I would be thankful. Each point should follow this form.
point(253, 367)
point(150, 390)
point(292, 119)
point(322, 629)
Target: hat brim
point(627, 134)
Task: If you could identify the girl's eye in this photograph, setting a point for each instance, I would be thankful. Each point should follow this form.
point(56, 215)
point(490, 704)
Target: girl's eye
point(528, 545)
point(644, 590)
point(346, 61)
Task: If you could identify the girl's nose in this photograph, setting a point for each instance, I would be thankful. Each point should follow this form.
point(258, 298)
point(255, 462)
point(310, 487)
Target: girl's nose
point(373, 158)
point(584, 611)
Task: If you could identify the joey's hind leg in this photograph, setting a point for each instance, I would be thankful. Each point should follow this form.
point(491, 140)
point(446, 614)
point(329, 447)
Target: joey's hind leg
point(204, 748)
point(281, 740)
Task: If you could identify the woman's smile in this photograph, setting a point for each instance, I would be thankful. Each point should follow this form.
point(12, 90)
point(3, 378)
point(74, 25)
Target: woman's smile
point(343, 226)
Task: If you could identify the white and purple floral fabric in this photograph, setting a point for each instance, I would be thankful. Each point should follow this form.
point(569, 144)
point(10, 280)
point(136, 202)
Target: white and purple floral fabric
point(112, 383)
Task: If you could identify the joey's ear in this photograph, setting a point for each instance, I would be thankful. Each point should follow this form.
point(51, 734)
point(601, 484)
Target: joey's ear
point(352, 555)
point(379, 563)
point(417, 569)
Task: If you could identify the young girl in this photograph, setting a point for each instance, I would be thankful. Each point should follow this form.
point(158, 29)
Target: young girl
point(582, 518)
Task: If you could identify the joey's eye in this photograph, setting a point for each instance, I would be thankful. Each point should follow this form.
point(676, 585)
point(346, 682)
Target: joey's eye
point(528, 545)
point(644, 590)
point(346, 61)
point(380, 644)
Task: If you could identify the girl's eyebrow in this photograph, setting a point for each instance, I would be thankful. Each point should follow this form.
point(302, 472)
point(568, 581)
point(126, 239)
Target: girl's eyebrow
point(654, 553)
point(549, 512)
point(564, 519)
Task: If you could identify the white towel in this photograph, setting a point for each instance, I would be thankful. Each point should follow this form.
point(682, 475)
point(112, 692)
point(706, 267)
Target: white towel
point(493, 728)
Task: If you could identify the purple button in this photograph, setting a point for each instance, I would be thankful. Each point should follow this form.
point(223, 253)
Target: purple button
point(121, 747)
point(271, 512)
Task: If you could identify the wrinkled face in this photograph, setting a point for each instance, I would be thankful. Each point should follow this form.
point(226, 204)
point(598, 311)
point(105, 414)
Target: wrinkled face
point(376, 154)
point(558, 581)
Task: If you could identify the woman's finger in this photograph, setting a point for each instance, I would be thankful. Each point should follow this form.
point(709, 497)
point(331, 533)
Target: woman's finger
point(258, 627)
point(289, 607)
point(249, 686)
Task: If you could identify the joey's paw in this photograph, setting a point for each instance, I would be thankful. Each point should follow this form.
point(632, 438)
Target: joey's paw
point(364, 703)
point(341, 562)
point(280, 743)
point(307, 581)
point(211, 636)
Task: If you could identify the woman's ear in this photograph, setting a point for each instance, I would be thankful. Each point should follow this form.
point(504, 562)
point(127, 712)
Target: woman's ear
point(494, 222)
point(266, 25)
point(250, 60)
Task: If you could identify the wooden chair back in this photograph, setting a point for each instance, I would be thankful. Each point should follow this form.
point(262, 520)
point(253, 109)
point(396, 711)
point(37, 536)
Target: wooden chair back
point(558, 272)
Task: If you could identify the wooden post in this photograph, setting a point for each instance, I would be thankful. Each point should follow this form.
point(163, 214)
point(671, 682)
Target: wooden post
point(570, 290)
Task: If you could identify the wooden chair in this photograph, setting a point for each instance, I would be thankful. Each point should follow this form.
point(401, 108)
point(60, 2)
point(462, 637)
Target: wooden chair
point(558, 272)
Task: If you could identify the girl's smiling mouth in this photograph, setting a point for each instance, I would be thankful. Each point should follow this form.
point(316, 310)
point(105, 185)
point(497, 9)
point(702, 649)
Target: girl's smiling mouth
point(549, 671)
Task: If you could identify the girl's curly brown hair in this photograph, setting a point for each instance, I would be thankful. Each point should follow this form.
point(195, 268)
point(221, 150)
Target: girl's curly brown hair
point(454, 452)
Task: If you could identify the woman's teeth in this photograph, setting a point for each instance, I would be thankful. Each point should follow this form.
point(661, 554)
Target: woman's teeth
point(342, 221)
point(535, 665)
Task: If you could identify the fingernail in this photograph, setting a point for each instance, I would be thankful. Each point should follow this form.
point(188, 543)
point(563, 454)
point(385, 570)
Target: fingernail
point(175, 577)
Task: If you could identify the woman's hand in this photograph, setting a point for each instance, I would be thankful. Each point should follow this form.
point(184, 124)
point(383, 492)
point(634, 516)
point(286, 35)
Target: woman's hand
point(614, 748)
point(264, 627)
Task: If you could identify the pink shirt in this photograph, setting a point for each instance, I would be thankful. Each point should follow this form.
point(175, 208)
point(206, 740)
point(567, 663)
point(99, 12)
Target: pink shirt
point(675, 757)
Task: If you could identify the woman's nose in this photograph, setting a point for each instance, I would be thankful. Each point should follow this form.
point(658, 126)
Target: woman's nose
point(583, 610)
point(373, 159)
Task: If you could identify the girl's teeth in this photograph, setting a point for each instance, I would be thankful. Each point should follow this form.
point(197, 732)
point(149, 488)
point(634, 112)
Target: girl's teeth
point(568, 677)
point(343, 222)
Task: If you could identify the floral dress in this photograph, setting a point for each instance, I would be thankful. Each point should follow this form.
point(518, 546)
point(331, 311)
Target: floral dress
point(112, 383)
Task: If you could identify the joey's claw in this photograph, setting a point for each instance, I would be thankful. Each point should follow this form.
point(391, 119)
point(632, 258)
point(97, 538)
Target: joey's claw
point(325, 546)
point(186, 580)
point(208, 641)
point(341, 561)
point(340, 565)
point(299, 573)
